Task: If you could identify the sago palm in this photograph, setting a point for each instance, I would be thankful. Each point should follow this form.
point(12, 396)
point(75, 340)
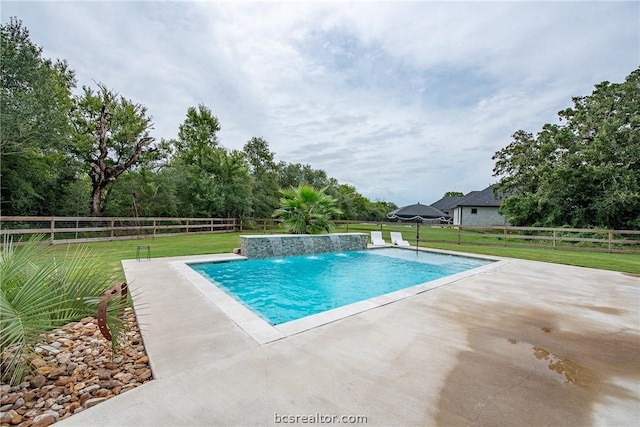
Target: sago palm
point(40, 293)
point(305, 210)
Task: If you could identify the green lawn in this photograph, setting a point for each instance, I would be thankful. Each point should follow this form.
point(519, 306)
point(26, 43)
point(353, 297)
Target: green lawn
point(196, 244)
point(115, 251)
point(629, 263)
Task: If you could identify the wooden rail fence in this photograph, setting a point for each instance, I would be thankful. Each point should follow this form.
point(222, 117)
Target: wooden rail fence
point(90, 229)
point(603, 240)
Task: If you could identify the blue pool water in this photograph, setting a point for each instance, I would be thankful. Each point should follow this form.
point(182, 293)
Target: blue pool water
point(285, 289)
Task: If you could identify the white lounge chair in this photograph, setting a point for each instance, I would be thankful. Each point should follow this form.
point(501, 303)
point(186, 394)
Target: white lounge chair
point(396, 239)
point(376, 238)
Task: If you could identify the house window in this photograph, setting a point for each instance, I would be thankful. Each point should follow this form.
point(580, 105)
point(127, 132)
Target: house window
point(474, 210)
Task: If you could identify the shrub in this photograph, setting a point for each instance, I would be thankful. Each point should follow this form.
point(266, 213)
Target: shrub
point(305, 210)
point(40, 293)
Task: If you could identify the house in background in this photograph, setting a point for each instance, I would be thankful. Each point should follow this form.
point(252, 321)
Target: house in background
point(474, 208)
point(446, 204)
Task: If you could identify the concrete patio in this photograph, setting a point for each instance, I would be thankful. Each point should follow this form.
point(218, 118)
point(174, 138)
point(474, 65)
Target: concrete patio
point(525, 343)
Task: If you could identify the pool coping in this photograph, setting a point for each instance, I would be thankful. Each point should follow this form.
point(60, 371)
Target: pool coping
point(263, 332)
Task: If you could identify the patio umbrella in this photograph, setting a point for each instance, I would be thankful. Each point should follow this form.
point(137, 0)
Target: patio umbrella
point(418, 213)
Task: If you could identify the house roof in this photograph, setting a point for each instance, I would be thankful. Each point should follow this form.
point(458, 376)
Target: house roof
point(446, 203)
point(480, 198)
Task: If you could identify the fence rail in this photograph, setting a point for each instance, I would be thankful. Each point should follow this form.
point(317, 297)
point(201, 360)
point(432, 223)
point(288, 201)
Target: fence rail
point(91, 229)
point(620, 241)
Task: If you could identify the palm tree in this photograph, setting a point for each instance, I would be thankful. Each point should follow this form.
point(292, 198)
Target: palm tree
point(39, 292)
point(305, 210)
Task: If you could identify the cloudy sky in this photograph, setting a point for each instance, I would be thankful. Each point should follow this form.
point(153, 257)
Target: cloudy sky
point(403, 100)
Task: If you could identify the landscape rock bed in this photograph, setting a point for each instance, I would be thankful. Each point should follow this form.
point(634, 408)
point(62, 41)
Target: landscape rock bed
point(75, 370)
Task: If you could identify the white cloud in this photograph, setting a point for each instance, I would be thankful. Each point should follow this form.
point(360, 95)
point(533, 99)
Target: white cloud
point(403, 100)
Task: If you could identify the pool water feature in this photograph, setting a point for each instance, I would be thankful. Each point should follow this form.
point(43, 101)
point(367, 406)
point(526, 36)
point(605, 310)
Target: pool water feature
point(282, 290)
point(281, 245)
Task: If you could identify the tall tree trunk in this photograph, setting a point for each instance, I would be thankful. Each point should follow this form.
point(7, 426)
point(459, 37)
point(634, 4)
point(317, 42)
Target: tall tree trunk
point(101, 174)
point(99, 168)
point(96, 200)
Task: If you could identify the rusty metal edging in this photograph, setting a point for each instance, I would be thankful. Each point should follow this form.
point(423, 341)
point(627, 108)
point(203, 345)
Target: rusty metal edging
point(118, 288)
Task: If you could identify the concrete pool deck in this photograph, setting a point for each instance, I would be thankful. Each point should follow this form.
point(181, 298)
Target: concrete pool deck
point(525, 343)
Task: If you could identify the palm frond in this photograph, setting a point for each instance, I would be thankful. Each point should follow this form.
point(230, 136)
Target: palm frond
point(306, 210)
point(39, 293)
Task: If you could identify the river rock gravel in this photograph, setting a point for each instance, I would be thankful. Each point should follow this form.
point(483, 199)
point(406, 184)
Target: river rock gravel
point(75, 369)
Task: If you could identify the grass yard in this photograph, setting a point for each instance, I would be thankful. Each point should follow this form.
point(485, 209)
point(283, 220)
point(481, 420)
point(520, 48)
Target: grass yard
point(197, 244)
point(628, 263)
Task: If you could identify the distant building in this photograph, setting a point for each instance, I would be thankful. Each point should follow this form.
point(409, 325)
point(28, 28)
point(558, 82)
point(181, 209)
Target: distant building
point(474, 208)
point(446, 204)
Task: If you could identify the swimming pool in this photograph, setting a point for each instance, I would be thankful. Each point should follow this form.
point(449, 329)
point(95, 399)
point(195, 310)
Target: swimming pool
point(282, 290)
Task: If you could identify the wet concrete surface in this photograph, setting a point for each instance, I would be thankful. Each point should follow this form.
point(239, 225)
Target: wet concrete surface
point(525, 344)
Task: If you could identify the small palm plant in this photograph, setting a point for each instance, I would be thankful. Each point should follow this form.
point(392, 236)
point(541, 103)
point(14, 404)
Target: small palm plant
point(305, 210)
point(39, 293)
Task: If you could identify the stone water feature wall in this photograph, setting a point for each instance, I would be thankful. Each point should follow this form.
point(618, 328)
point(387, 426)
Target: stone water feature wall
point(278, 245)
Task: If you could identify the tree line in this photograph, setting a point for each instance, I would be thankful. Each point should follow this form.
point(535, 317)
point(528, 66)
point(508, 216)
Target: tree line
point(583, 172)
point(94, 154)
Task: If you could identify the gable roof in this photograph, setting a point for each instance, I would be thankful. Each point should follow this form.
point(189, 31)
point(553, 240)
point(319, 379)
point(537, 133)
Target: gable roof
point(446, 203)
point(480, 198)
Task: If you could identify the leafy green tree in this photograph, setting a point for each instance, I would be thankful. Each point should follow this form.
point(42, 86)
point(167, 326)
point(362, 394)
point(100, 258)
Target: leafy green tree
point(233, 183)
point(305, 210)
point(351, 203)
point(212, 181)
point(582, 173)
point(144, 193)
point(379, 210)
point(295, 174)
point(197, 140)
point(453, 194)
point(40, 293)
point(36, 170)
point(264, 177)
point(111, 137)
point(192, 165)
point(74, 199)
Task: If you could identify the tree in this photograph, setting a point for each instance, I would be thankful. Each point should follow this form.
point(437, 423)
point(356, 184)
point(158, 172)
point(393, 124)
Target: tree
point(351, 203)
point(453, 194)
point(295, 174)
point(264, 177)
point(193, 163)
point(35, 99)
point(233, 183)
point(305, 210)
point(379, 210)
point(197, 139)
point(144, 193)
point(584, 172)
point(111, 137)
point(212, 180)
